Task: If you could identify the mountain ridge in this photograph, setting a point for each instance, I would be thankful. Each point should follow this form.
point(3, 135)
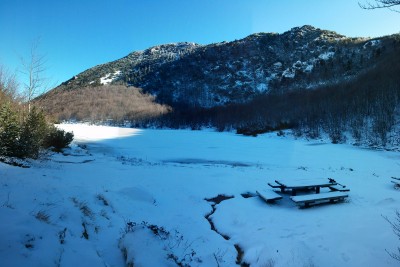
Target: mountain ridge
point(235, 71)
point(185, 75)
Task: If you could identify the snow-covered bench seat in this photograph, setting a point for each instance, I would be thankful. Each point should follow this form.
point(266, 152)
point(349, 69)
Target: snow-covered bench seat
point(275, 185)
point(306, 200)
point(396, 183)
point(339, 188)
point(268, 195)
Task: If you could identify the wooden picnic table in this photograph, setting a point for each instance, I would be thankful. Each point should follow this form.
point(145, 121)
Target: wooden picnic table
point(304, 184)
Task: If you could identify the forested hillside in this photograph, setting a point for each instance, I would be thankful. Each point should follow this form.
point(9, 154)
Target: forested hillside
point(108, 103)
point(238, 71)
point(365, 108)
point(310, 80)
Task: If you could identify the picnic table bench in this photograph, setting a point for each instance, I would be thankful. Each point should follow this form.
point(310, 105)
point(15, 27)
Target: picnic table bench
point(396, 182)
point(307, 200)
point(268, 195)
point(303, 184)
point(339, 188)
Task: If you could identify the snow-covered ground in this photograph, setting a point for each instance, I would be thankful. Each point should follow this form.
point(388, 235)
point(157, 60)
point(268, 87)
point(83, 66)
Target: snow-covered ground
point(139, 196)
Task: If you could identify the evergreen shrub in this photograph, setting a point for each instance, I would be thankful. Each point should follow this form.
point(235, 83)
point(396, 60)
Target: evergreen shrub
point(57, 138)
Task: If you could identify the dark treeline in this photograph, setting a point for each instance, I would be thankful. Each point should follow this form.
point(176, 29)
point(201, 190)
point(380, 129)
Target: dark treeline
point(365, 107)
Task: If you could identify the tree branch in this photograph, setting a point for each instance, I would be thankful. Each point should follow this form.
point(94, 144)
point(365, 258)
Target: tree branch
point(34, 68)
point(389, 4)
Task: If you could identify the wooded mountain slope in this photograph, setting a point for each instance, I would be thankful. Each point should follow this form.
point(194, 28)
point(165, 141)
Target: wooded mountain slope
point(115, 103)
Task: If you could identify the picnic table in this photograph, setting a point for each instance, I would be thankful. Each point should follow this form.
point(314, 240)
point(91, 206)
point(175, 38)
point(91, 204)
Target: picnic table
point(303, 184)
point(338, 192)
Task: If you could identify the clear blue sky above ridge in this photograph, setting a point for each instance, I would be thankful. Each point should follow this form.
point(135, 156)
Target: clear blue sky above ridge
point(78, 34)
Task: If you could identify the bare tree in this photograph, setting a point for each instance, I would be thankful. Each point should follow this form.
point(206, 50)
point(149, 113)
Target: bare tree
point(396, 229)
point(390, 4)
point(8, 84)
point(34, 69)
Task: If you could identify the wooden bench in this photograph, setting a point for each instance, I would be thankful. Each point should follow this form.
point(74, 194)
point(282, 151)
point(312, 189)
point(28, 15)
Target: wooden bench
point(339, 188)
point(307, 200)
point(268, 195)
point(275, 185)
point(396, 184)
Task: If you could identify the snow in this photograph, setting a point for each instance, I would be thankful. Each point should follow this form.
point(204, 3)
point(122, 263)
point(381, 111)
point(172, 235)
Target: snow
point(326, 55)
point(277, 65)
point(107, 79)
point(371, 43)
point(289, 73)
point(297, 65)
point(142, 193)
point(262, 87)
point(309, 68)
point(238, 83)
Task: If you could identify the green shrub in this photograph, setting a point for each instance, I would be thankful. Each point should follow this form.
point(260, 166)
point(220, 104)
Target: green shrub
point(9, 131)
point(23, 136)
point(57, 138)
point(33, 132)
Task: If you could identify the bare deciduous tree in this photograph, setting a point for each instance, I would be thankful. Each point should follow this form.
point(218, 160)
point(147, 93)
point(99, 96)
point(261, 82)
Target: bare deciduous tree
point(390, 4)
point(103, 103)
point(8, 84)
point(34, 69)
point(396, 229)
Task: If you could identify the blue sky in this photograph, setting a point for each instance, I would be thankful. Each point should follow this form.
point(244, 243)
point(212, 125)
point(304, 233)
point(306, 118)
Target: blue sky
point(78, 34)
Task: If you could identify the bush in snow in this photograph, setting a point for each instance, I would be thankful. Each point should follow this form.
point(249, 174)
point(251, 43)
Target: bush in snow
point(152, 245)
point(23, 135)
point(9, 131)
point(33, 132)
point(57, 138)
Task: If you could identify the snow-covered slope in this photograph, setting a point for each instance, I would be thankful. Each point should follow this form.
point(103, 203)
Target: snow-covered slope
point(139, 195)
